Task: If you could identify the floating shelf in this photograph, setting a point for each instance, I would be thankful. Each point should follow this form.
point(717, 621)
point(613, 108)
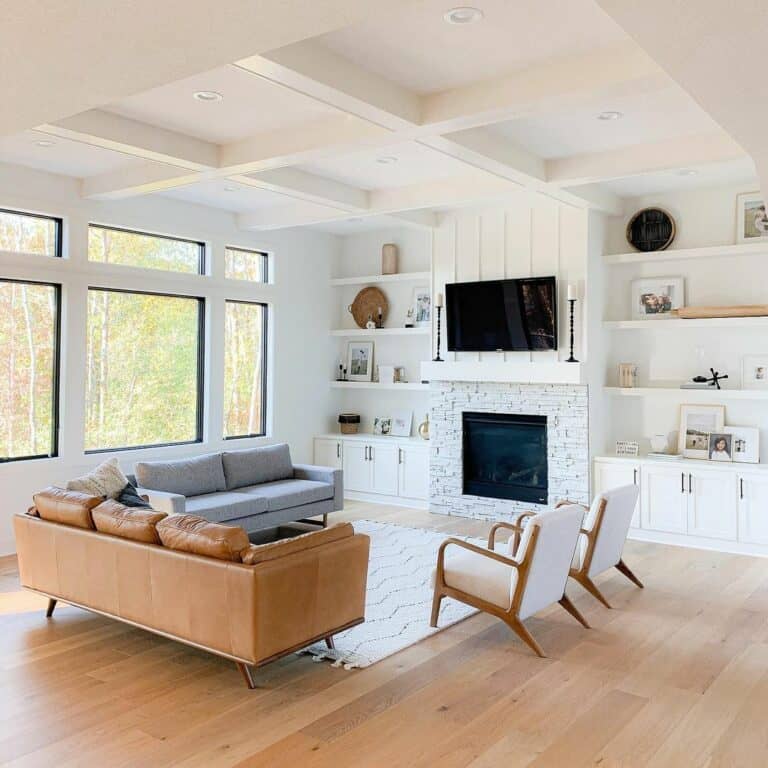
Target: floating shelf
point(351, 332)
point(708, 252)
point(677, 323)
point(402, 277)
point(406, 386)
point(707, 395)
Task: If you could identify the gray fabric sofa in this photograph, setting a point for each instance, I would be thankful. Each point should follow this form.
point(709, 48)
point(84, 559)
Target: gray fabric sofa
point(255, 488)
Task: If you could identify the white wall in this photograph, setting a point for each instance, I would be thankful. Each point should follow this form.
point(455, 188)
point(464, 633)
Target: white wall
point(300, 303)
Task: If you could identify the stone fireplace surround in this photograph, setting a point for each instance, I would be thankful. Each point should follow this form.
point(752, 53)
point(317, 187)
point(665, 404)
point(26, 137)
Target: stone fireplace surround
point(566, 409)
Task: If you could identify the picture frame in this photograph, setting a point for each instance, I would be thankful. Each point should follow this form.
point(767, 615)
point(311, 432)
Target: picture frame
point(720, 446)
point(627, 448)
point(654, 298)
point(745, 445)
point(421, 304)
point(754, 372)
point(360, 361)
point(382, 425)
point(697, 423)
point(402, 422)
point(751, 218)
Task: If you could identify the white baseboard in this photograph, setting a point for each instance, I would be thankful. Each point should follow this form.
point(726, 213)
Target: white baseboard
point(394, 501)
point(698, 542)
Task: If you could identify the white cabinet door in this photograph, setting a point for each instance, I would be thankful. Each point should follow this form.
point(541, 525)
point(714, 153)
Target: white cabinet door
point(664, 499)
point(413, 480)
point(357, 467)
point(753, 508)
point(712, 509)
point(609, 475)
point(384, 468)
point(328, 453)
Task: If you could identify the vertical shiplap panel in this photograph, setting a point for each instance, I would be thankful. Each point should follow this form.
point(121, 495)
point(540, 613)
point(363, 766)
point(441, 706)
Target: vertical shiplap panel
point(573, 265)
point(517, 252)
point(444, 271)
point(492, 255)
point(545, 253)
point(468, 258)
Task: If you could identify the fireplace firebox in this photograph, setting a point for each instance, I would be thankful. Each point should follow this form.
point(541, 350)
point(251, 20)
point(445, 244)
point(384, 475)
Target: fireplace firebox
point(505, 456)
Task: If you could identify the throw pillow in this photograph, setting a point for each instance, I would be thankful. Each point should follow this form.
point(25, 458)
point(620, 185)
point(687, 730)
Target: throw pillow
point(129, 497)
point(106, 480)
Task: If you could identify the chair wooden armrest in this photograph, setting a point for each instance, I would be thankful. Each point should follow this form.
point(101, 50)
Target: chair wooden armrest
point(515, 526)
point(565, 502)
point(472, 548)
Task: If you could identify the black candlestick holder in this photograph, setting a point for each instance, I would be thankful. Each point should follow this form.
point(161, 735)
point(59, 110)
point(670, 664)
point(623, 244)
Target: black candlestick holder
point(572, 359)
point(437, 358)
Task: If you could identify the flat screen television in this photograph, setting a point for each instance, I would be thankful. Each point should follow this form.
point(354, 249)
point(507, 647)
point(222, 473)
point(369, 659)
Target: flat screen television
point(502, 315)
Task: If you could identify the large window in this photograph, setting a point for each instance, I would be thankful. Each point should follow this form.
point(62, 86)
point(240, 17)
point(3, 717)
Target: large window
point(242, 264)
point(29, 343)
point(110, 245)
point(30, 233)
point(145, 370)
point(245, 356)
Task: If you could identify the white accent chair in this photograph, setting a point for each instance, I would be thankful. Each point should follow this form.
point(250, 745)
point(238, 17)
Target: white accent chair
point(517, 580)
point(602, 538)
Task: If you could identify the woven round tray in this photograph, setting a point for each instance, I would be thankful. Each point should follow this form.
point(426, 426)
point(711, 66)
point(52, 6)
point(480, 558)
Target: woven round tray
point(366, 304)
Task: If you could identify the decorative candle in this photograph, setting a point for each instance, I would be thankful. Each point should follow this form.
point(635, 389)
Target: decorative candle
point(572, 293)
point(439, 300)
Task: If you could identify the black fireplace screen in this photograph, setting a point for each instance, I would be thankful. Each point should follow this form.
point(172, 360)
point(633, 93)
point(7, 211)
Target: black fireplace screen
point(505, 456)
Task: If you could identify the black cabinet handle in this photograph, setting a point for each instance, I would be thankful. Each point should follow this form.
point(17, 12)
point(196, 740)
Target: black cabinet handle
point(741, 487)
point(682, 482)
point(635, 480)
point(366, 453)
point(338, 450)
point(690, 483)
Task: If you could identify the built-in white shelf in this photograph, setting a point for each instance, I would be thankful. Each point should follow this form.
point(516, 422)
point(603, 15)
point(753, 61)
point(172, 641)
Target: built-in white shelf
point(404, 386)
point(676, 323)
point(708, 252)
point(366, 437)
point(351, 332)
point(401, 277)
point(695, 395)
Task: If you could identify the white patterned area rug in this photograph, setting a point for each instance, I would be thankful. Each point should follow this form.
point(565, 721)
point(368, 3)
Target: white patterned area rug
point(399, 597)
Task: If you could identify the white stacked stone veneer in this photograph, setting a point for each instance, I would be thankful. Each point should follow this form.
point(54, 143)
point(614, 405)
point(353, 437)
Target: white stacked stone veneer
point(566, 409)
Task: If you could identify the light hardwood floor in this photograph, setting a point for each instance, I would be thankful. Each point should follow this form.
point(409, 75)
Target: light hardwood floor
point(676, 675)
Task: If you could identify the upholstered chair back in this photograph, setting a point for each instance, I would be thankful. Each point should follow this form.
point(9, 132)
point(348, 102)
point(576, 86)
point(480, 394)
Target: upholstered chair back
point(619, 507)
point(557, 532)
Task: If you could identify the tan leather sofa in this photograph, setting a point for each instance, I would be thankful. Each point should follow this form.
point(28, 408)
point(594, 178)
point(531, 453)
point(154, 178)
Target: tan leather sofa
point(298, 591)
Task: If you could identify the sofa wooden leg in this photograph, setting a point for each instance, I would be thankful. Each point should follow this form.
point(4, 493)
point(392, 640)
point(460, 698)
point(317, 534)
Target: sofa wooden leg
point(51, 607)
point(622, 567)
point(329, 642)
point(573, 610)
point(436, 600)
point(247, 673)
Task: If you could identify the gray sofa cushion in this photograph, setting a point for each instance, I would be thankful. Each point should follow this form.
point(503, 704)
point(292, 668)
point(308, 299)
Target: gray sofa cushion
point(282, 494)
point(223, 506)
point(257, 465)
point(189, 477)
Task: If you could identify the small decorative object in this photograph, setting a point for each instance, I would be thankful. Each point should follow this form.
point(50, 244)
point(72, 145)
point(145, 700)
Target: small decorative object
point(651, 229)
point(627, 448)
point(370, 325)
point(751, 218)
point(572, 298)
point(360, 360)
point(400, 377)
point(402, 421)
point(342, 373)
point(424, 428)
point(379, 317)
point(754, 372)
point(382, 425)
point(439, 305)
point(697, 423)
point(422, 307)
point(388, 259)
point(702, 382)
point(627, 375)
point(659, 443)
point(366, 305)
point(720, 446)
point(349, 423)
point(386, 374)
point(698, 313)
point(409, 318)
point(655, 297)
point(745, 445)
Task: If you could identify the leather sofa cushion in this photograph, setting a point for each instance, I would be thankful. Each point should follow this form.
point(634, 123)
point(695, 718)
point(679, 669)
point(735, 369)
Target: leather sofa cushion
point(190, 533)
point(135, 523)
point(282, 494)
point(257, 465)
point(67, 507)
point(259, 553)
point(188, 477)
point(225, 505)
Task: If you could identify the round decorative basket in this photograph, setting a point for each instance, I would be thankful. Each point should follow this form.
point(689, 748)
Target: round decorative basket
point(349, 423)
point(651, 229)
point(366, 304)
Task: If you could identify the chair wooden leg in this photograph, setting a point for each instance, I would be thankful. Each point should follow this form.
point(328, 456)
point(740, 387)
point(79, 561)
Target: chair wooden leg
point(591, 587)
point(247, 673)
point(51, 607)
point(436, 601)
point(573, 610)
point(622, 567)
point(329, 642)
point(519, 629)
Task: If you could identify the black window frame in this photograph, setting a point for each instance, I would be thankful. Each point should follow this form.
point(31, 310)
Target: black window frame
point(59, 230)
point(256, 252)
point(55, 415)
point(201, 257)
point(200, 389)
point(265, 366)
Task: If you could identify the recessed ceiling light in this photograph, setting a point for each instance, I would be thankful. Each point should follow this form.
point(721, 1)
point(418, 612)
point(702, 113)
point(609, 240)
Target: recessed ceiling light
point(463, 15)
point(44, 143)
point(610, 115)
point(386, 159)
point(231, 188)
point(687, 172)
point(207, 96)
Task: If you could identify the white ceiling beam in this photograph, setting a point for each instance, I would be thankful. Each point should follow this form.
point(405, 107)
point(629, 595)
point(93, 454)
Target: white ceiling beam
point(135, 180)
point(299, 214)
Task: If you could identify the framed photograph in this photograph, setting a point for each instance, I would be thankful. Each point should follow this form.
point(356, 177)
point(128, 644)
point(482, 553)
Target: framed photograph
point(754, 372)
point(402, 421)
point(697, 423)
point(382, 425)
point(654, 298)
point(422, 307)
point(360, 360)
point(751, 218)
point(720, 446)
point(745, 445)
